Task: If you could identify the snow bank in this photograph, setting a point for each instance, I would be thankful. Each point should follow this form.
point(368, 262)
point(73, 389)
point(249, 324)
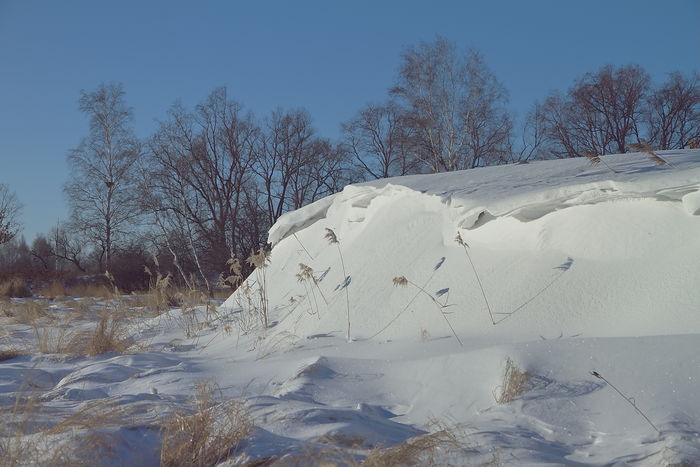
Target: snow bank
point(561, 247)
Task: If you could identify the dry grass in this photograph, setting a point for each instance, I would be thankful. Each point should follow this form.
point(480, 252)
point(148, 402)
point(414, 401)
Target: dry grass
point(24, 312)
point(108, 336)
point(515, 382)
point(445, 446)
point(207, 436)
point(426, 450)
point(15, 287)
point(646, 148)
point(76, 440)
point(53, 339)
point(56, 289)
point(53, 289)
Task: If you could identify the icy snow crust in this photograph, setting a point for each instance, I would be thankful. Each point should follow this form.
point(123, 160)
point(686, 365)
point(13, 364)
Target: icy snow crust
point(584, 269)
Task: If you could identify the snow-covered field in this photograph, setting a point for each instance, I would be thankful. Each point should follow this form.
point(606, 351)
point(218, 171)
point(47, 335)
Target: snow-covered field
point(565, 269)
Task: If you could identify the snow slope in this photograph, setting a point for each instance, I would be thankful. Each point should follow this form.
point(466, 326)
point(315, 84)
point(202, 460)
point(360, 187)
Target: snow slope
point(584, 269)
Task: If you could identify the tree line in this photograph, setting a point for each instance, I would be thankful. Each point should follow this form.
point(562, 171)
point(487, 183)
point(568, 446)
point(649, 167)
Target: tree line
point(212, 179)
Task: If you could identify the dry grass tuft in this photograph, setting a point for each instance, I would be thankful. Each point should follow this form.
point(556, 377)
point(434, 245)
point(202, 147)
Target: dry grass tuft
point(52, 339)
point(427, 450)
point(15, 287)
point(108, 336)
point(515, 383)
point(209, 435)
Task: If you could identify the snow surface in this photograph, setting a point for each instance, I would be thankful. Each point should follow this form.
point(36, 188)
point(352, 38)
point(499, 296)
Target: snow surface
point(584, 269)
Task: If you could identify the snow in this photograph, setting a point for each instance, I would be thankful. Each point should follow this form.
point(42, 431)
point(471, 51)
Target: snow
point(584, 269)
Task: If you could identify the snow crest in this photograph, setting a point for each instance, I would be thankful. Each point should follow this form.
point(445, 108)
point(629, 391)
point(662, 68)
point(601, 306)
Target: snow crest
point(525, 192)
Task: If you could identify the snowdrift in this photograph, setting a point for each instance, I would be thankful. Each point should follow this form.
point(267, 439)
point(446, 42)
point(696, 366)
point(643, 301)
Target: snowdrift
point(561, 248)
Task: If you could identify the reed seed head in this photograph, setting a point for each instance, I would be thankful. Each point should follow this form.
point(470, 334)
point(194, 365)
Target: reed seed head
point(460, 240)
point(593, 158)
point(400, 281)
point(305, 272)
point(259, 259)
point(330, 236)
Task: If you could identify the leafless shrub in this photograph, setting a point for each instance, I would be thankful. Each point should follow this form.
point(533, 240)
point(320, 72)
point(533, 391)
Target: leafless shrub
point(207, 436)
point(9, 212)
point(514, 383)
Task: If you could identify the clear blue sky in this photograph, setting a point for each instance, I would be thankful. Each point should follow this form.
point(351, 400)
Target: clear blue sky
point(331, 57)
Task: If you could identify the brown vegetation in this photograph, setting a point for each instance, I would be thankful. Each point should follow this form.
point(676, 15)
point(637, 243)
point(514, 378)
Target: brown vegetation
point(208, 435)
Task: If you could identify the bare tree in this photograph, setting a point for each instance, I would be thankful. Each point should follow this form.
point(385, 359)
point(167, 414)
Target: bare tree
point(294, 167)
point(199, 169)
point(69, 246)
point(379, 140)
point(43, 253)
point(455, 107)
point(673, 112)
point(9, 210)
point(532, 136)
point(601, 113)
point(102, 185)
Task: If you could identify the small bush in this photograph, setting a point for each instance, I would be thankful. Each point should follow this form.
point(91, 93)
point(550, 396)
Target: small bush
point(209, 435)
